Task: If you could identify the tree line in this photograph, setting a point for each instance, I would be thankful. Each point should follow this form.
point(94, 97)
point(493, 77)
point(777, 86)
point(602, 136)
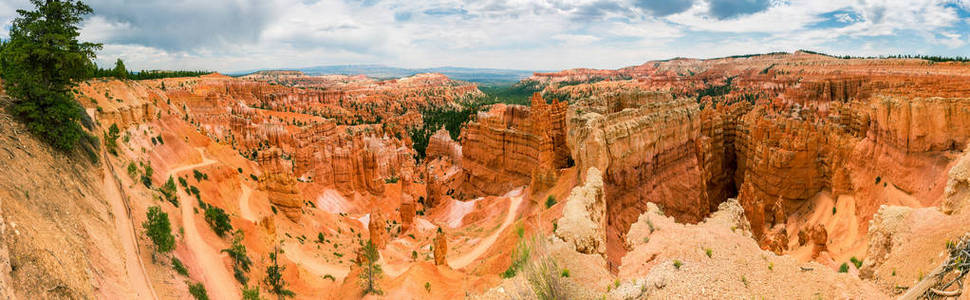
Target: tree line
point(121, 72)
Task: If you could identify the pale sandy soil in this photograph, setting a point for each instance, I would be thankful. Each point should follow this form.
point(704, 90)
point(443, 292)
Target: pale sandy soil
point(244, 209)
point(134, 267)
point(482, 246)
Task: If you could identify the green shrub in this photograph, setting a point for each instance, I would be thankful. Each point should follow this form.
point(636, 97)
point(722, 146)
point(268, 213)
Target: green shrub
point(179, 267)
point(844, 268)
point(198, 291)
point(857, 262)
point(520, 256)
point(550, 201)
point(146, 177)
point(708, 252)
point(678, 264)
point(159, 229)
point(250, 293)
point(169, 191)
point(111, 139)
point(218, 220)
point(132, 170)
point(564, 273)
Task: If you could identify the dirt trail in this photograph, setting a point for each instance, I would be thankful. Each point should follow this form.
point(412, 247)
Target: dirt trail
point(479, 250)
point(296, 254)
point(216, 278)
point(244, 209)
point(134, 266)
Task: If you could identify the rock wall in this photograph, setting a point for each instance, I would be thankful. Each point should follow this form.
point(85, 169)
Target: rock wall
point(513, 145)
point(279, 183)
point(653, 148)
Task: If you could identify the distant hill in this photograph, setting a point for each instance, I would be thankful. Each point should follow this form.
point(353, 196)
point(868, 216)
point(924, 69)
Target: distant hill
point(484, 76)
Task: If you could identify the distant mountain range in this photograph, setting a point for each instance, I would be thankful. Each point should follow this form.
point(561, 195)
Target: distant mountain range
point(478, 75)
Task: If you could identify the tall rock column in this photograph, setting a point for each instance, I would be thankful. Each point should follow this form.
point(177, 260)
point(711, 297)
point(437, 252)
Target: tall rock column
point(279, 183)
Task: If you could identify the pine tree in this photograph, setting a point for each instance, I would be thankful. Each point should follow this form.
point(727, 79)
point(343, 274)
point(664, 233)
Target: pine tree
point(240, 261)
point(41, 63)
point(372, 270)
point(159, 229)
point(274, 277)
point(119, 71)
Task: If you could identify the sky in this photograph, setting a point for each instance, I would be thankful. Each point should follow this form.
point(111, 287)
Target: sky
point(238, 35)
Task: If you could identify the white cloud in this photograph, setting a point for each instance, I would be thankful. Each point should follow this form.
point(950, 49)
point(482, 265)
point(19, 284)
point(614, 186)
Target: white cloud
point(231, 35)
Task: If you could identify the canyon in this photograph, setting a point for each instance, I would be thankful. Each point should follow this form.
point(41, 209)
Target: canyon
point(752, 176)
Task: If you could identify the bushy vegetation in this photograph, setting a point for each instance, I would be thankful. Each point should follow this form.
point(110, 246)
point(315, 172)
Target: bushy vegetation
point(179, 267)
point(146, 177)
point(250, 293)
point(159, 229)
point(41, 63)
point(520, 257)
point(198, 291)
point(169, 191)
point(132, 170)
point(240, 261)
point(844, 268)
point(855, 261)
point(218, 220)
point(550, 201)
point(111, 139)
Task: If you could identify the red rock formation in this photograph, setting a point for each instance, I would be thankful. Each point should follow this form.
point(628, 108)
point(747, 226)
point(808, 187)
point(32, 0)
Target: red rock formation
point(440, 145)
point(440, 248)
point(513, 145)
point(280, 185)
point(377, 229)
point(407, 215)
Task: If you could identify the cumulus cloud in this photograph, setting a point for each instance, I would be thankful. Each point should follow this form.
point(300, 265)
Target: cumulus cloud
point(231, 35)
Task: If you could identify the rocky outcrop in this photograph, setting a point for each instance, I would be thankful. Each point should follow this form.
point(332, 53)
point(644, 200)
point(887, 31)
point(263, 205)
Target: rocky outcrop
point(886, 232)
point(583, 221)
point(513, 145)
point(377, 230)
point(652, 148)
point(440, 248)
point(280, 185)
point(407, 211)
point(440, 145)
point(818, 238)
point(957, 193)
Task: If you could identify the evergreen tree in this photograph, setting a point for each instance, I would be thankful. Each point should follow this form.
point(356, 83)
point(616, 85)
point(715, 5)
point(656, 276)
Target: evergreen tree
point(41, 63)
point(372, 270)
point(119, 71)
point(240, 261)
point(159, 230)
point(274, 277)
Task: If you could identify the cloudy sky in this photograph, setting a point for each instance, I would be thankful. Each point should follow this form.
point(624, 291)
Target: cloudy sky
point(235, 35)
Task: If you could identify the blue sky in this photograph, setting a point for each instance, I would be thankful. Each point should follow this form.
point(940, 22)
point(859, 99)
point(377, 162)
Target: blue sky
point(233, 35)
